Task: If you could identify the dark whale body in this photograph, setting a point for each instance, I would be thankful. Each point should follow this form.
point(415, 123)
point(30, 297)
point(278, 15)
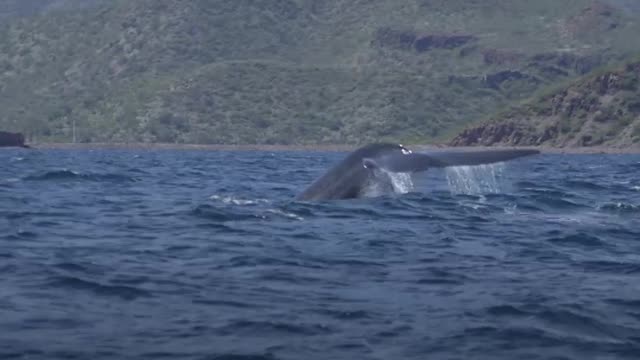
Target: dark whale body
point(348, 179)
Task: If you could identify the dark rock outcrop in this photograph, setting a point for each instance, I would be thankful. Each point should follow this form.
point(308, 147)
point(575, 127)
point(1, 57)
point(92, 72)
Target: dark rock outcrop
point(444, 41)
point(598, 17)
point(11, 139)
point(508, 133)
point(493, 80)
point(496, 79)
point(560, 63)
point(409, 40)
point(394, 39)
point(501, 57)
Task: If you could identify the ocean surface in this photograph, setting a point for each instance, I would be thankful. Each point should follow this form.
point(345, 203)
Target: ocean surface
point(180, 254)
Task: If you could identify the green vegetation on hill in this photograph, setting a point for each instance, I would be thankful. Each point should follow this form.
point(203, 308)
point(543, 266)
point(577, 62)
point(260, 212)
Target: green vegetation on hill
point(292, 71)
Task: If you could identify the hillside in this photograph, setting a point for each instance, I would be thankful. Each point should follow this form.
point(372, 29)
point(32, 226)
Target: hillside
point(601, 109)
point(17, 8)
point(293, 71)
point(21, 8)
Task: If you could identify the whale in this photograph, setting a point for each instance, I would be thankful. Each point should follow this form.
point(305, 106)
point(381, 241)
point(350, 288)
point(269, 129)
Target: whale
point(352, 176)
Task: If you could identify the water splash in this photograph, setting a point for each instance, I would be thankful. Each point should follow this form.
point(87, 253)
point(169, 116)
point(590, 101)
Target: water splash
point(386, 182)
point(475, 180)
point(401, 182)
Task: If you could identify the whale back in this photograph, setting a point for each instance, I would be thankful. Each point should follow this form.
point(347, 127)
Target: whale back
point(346, 179)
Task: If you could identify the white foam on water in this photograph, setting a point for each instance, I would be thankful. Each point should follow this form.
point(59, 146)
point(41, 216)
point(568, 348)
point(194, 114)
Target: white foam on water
point(475, 180)
point(374, 188)
point(235, 201)
point(230, 200)
point(285, 214)
point(511, 209)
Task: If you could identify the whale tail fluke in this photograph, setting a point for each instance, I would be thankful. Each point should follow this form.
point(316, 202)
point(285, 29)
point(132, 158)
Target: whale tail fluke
point(351, 177)
point(416, 162)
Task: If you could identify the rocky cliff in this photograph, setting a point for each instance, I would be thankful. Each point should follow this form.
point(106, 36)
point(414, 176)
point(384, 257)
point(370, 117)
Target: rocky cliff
point(11, 139)
point(602, 108)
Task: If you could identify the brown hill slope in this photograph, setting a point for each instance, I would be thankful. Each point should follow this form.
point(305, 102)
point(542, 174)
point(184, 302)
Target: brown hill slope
point(601, 109)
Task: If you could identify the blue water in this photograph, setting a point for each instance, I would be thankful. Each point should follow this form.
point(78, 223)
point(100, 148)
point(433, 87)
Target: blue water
point(122, 254)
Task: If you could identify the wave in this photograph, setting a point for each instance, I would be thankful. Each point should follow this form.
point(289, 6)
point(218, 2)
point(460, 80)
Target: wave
point(21, 235)
point(432, 274)
point(559, 201)
point(60, 175)
point(225, 303)
point(243, 357)
point(231, 208)
point(608, 266)
point(231, 200)
point(239, 213)
point(620, 208)
point(272, 328)
point(186, 355)
point(584, 185)
point(124, 292)
point(346, 314)
point(211, 212)
point(581, 239)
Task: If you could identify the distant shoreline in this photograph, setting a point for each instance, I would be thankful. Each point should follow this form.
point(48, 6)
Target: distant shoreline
point(338, 148)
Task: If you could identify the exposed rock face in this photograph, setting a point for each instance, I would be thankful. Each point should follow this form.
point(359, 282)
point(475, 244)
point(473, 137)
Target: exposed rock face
point(11, 139)
point(17, 8)
point(597, 17)
point(508, 133)
point(554, 62)
point(494, 80)
point(409, 40)
point(600, 109)
point(394, 39)
point(501, 57)
point(427, 42)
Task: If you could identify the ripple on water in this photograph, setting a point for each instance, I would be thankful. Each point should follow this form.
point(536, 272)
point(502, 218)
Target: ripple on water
point(226, 303)
point(580, 239)
point(583, 185)
point(214, 213)
point(244, 357)
point(61, 175)
point(75, 283)
point(620, 208)
point(610, 266)
point(272, 328)
point(95, 266)
point(245, 210)
point(556, 202)
point(21, 235)
point(435, 276)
